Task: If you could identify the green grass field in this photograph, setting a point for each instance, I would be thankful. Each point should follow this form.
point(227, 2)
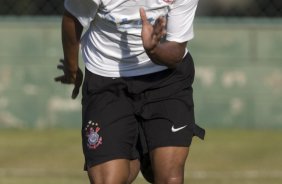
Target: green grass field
point(225, 157)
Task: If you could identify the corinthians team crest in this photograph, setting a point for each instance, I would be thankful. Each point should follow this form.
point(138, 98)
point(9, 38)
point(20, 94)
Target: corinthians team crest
point(94, 139)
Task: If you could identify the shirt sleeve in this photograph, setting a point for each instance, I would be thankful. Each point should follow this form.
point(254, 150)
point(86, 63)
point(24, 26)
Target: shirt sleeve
point(180, 20)
point(83, 10)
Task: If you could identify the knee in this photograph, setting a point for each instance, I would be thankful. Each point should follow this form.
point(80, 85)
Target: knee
point(109, 180)
point(169, 180)
point(171, 176)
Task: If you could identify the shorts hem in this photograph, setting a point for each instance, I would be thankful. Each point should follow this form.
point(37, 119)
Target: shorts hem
point(151, 148)
point(101, 161)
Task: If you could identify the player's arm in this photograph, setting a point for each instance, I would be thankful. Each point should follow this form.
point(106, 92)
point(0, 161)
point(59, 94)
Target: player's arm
point(167, 53)
point(71, 34)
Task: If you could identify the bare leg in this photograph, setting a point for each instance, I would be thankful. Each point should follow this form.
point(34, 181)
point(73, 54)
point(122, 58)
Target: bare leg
point(115, 171)
point(168, 164)
point(120, 171)
point(134, 166)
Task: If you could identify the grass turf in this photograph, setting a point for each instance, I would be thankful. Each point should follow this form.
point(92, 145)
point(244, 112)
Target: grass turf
point(225, 157)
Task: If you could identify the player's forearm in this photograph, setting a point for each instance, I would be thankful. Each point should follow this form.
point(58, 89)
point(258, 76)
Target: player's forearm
point(167, 53)
point(71, 33)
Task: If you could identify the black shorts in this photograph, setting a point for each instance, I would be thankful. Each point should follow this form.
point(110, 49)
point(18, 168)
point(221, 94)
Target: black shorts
point(125, 116)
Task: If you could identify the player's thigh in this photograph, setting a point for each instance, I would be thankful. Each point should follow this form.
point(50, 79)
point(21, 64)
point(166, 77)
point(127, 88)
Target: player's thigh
point(114, 171)
point(169, 162)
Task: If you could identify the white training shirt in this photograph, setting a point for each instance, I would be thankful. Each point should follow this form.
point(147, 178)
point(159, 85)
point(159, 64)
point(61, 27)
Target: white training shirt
point(112, 45)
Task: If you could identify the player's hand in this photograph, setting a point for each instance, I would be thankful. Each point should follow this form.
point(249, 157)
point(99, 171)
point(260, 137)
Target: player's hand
point(69, 77)
point(152, 34)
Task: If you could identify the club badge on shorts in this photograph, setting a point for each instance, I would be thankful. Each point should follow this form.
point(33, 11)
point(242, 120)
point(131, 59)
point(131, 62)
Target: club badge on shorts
point(94, 139)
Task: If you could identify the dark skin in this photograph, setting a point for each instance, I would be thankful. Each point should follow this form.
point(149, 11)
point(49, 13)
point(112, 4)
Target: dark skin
point(166, 53)
point(71, 33)
point(167, 168)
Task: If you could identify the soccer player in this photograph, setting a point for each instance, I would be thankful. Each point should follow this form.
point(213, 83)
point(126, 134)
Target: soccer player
point(137, 104)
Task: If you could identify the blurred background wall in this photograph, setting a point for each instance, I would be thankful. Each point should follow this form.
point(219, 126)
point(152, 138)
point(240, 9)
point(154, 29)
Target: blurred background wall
point(237, 53)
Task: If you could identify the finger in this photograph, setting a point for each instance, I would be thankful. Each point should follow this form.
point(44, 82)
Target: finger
point(76, 88)
point(160, 28)
point(163, 21)
point(59, 78)
point(63, 79)
point(61, 67)
point(62, 61)
point(163, 24)
point(159, 25)
point(143, 15)
point(75, 92)
point(78, 83)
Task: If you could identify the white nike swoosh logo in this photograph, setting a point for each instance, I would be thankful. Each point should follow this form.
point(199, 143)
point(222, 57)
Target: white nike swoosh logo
point(177, 129)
